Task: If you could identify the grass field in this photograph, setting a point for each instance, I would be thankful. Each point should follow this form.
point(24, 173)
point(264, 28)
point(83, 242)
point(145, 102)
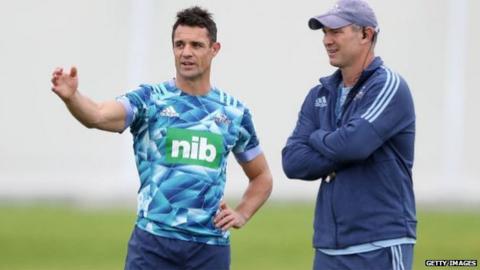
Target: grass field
point(279, 237)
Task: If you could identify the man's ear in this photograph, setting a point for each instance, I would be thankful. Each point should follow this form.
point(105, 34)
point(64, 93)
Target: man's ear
point(369, 33)
point(216, 47)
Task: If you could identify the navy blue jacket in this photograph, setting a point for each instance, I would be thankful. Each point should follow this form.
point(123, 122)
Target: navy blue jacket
point(370, 149)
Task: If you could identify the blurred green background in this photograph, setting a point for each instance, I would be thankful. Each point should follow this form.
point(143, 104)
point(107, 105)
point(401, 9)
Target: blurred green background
point(48, 236)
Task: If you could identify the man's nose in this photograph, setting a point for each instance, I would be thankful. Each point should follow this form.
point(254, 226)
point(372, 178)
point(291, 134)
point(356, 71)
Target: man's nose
point(327, 40)
point(187, 51)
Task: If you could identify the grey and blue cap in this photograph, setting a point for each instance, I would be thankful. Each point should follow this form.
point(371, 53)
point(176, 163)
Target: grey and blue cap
point(346, 12)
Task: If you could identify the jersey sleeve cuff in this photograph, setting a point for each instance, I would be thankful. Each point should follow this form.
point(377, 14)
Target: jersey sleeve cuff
point(249, 154)
point(128, 109)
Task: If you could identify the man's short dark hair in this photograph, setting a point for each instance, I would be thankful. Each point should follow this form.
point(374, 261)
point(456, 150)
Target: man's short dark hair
point(196, 16)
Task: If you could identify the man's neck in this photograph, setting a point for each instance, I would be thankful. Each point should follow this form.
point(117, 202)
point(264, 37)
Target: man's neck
point(351, 74)
point(194, 87)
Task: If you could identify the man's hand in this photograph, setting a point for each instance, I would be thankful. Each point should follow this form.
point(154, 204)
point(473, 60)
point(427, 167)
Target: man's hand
point(64, 84)
point(107, 115)
point(258, 189)
point(228, 217)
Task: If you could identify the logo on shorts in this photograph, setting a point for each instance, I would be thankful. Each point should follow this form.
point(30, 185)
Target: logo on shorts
point(193, 147)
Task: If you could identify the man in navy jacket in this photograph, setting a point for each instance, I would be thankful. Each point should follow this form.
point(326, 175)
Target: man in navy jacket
point(356, 132)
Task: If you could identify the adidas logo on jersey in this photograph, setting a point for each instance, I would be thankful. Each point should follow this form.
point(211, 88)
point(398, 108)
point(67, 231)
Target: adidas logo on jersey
point(169, 112)
point(321, 102)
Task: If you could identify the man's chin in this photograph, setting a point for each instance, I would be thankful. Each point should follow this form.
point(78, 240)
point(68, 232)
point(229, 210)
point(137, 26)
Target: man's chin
point(190, 75)
point(334, 63)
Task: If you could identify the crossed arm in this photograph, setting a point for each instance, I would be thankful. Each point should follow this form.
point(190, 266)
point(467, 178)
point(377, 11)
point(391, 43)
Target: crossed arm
point(384, 111)
point(299, 159)
point(108, 115)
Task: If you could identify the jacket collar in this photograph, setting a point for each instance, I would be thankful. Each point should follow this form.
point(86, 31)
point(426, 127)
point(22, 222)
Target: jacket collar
point(331, 82)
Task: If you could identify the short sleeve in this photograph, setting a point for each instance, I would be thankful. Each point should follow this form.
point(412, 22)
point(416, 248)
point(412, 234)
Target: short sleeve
point(247, 146)
point(135, 104)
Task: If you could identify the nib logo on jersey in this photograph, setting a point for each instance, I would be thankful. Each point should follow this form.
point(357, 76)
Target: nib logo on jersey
point(193, 147)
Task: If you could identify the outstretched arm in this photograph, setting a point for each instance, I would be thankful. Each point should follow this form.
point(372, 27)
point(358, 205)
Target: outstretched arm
point(257, 192)
point(109, 115)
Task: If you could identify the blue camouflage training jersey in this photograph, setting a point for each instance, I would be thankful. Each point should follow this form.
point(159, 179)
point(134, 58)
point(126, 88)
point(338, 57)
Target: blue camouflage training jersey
point(181, 143)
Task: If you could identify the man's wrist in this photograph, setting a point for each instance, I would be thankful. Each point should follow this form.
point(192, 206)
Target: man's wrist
point(71, 98)
point(243, 215)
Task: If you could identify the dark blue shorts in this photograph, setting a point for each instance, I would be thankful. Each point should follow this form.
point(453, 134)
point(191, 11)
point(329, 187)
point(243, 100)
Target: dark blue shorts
point(398, 257)
point(147, 252)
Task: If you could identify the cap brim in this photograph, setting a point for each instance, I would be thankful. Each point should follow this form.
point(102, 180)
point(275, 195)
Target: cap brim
point(327, 20)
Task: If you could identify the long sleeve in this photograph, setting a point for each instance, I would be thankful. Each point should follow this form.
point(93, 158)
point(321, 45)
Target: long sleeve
point(385, 110)
point(299, 159)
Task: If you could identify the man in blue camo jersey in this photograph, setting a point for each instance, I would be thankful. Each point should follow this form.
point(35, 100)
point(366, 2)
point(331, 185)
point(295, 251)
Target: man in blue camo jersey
point(183, 130)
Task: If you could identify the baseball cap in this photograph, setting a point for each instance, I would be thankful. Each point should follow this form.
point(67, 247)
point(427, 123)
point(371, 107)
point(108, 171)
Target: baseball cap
point(345, 12)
